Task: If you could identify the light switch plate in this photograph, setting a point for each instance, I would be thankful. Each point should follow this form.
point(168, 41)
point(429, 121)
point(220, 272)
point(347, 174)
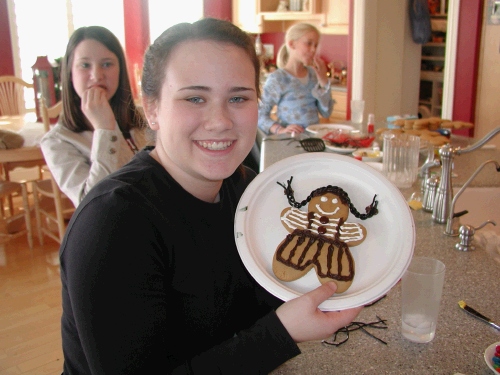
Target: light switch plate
point(269, 51)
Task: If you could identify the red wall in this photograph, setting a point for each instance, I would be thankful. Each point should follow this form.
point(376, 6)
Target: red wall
point(7, 59)
point(468, 43)
point(137, 38)
point(221, 9)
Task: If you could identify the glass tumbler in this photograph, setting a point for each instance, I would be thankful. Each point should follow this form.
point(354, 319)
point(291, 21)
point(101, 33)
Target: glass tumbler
point(400, 160)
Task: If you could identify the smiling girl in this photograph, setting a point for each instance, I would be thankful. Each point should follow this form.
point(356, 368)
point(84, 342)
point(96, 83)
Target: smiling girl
point(100, 128)
point(160, 288)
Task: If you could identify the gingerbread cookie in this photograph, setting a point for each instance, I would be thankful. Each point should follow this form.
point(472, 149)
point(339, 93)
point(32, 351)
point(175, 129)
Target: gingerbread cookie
point(321, 237)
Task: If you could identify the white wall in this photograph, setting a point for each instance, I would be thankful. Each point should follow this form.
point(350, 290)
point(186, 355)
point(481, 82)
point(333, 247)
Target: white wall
point(391, 60)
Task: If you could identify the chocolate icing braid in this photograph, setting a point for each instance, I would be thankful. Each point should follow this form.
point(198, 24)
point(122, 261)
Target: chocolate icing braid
point(371, 210)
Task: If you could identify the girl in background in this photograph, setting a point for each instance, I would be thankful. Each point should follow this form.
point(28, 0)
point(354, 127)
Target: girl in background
point(100, 128)
point(299, 88)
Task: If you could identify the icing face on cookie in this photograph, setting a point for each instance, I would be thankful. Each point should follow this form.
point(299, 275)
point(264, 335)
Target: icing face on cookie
point(329, 205)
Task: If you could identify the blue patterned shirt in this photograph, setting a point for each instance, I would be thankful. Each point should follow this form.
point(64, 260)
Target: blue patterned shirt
point(297, 103)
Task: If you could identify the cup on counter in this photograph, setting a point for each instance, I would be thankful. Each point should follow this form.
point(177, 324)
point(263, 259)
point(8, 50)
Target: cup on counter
point(400, 161)
point(421, 290)
point(357, 110)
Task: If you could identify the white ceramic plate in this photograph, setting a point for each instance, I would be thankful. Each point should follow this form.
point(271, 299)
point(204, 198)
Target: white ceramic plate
point(325, 128)
point(375, 165)
point(380, 260)
point(369, 154)
point(488, 355)
point(339, 150)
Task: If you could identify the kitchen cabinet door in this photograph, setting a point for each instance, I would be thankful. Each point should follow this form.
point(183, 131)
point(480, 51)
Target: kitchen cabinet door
point(335, 17)
point(261, 16)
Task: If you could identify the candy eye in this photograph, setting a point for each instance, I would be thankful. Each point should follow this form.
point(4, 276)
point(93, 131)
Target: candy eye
point(335, 200)
point(323, 199)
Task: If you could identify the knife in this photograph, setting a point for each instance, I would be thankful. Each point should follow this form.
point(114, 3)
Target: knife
point(477, 314)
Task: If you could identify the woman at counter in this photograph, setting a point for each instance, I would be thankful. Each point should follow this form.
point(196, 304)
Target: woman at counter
point(161, 287)
point(100, 128)
point(299, 88)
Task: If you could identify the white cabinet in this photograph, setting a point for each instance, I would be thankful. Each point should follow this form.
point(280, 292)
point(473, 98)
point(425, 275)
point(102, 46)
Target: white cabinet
point(260, 16)
point(335, 17)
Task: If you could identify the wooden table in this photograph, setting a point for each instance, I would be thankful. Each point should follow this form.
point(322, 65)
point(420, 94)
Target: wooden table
point(28, 156)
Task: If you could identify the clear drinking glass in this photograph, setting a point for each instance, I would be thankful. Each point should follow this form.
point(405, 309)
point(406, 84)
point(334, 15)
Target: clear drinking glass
point(421, 290)
point(400, 160)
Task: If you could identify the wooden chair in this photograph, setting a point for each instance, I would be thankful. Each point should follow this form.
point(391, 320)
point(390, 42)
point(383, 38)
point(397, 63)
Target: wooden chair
point(11, 225)
point(12, 95)
point(49, 113)
point(12, 104)
point(52, 208)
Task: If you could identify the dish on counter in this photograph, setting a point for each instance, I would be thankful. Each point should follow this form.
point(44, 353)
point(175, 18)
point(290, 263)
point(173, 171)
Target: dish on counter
point(325, 128)
point(368, 154)
point(340, 150)
point(380, 260)
point(343, 142)
point(489, 353)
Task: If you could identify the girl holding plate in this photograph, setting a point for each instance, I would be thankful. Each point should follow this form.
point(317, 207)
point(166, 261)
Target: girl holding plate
point(151, 276)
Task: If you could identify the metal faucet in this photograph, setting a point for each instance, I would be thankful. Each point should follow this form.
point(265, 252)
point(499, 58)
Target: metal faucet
point(450, 231)
point(444, 195)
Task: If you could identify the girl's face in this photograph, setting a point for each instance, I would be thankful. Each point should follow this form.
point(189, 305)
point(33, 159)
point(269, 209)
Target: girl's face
point(94, 66)
point(304, 48)
point(206, 118)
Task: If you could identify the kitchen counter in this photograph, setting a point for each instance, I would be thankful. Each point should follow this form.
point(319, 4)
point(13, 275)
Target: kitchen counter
point(337, 87)
point(460, 339)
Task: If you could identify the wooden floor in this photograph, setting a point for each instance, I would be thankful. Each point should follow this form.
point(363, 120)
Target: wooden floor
point(30, 308)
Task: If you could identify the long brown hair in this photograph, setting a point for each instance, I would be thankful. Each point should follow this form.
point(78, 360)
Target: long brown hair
point(122, 102)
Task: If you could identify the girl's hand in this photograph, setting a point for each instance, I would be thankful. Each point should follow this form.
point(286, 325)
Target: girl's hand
point(292, 128)
point(96, 108)
point(321, 70)
point(304, 321)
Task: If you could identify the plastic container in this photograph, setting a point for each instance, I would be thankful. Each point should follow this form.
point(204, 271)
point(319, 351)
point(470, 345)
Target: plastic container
point(370, 127)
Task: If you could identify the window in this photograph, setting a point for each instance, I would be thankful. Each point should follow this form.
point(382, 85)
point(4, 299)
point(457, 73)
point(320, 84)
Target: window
point(42, 28)
point(162, 16)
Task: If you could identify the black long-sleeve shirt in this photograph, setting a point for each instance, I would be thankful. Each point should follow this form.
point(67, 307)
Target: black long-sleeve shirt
point(153, 282)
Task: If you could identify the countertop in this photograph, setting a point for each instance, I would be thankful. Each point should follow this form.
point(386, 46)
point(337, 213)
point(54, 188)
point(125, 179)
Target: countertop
point(460, 339)
point(337, 87)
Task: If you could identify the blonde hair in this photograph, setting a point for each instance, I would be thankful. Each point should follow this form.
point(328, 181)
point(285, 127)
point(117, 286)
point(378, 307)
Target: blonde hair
point(295, 32)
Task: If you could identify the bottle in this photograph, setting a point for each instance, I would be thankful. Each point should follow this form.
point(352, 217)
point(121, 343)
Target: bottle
point(370, 128)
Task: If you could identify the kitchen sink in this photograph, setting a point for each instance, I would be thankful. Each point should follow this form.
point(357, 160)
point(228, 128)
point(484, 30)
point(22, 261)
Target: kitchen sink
point(483, 203)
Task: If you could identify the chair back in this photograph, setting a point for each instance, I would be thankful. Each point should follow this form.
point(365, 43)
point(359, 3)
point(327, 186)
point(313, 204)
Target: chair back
point(12, 95)
point(49, 113)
